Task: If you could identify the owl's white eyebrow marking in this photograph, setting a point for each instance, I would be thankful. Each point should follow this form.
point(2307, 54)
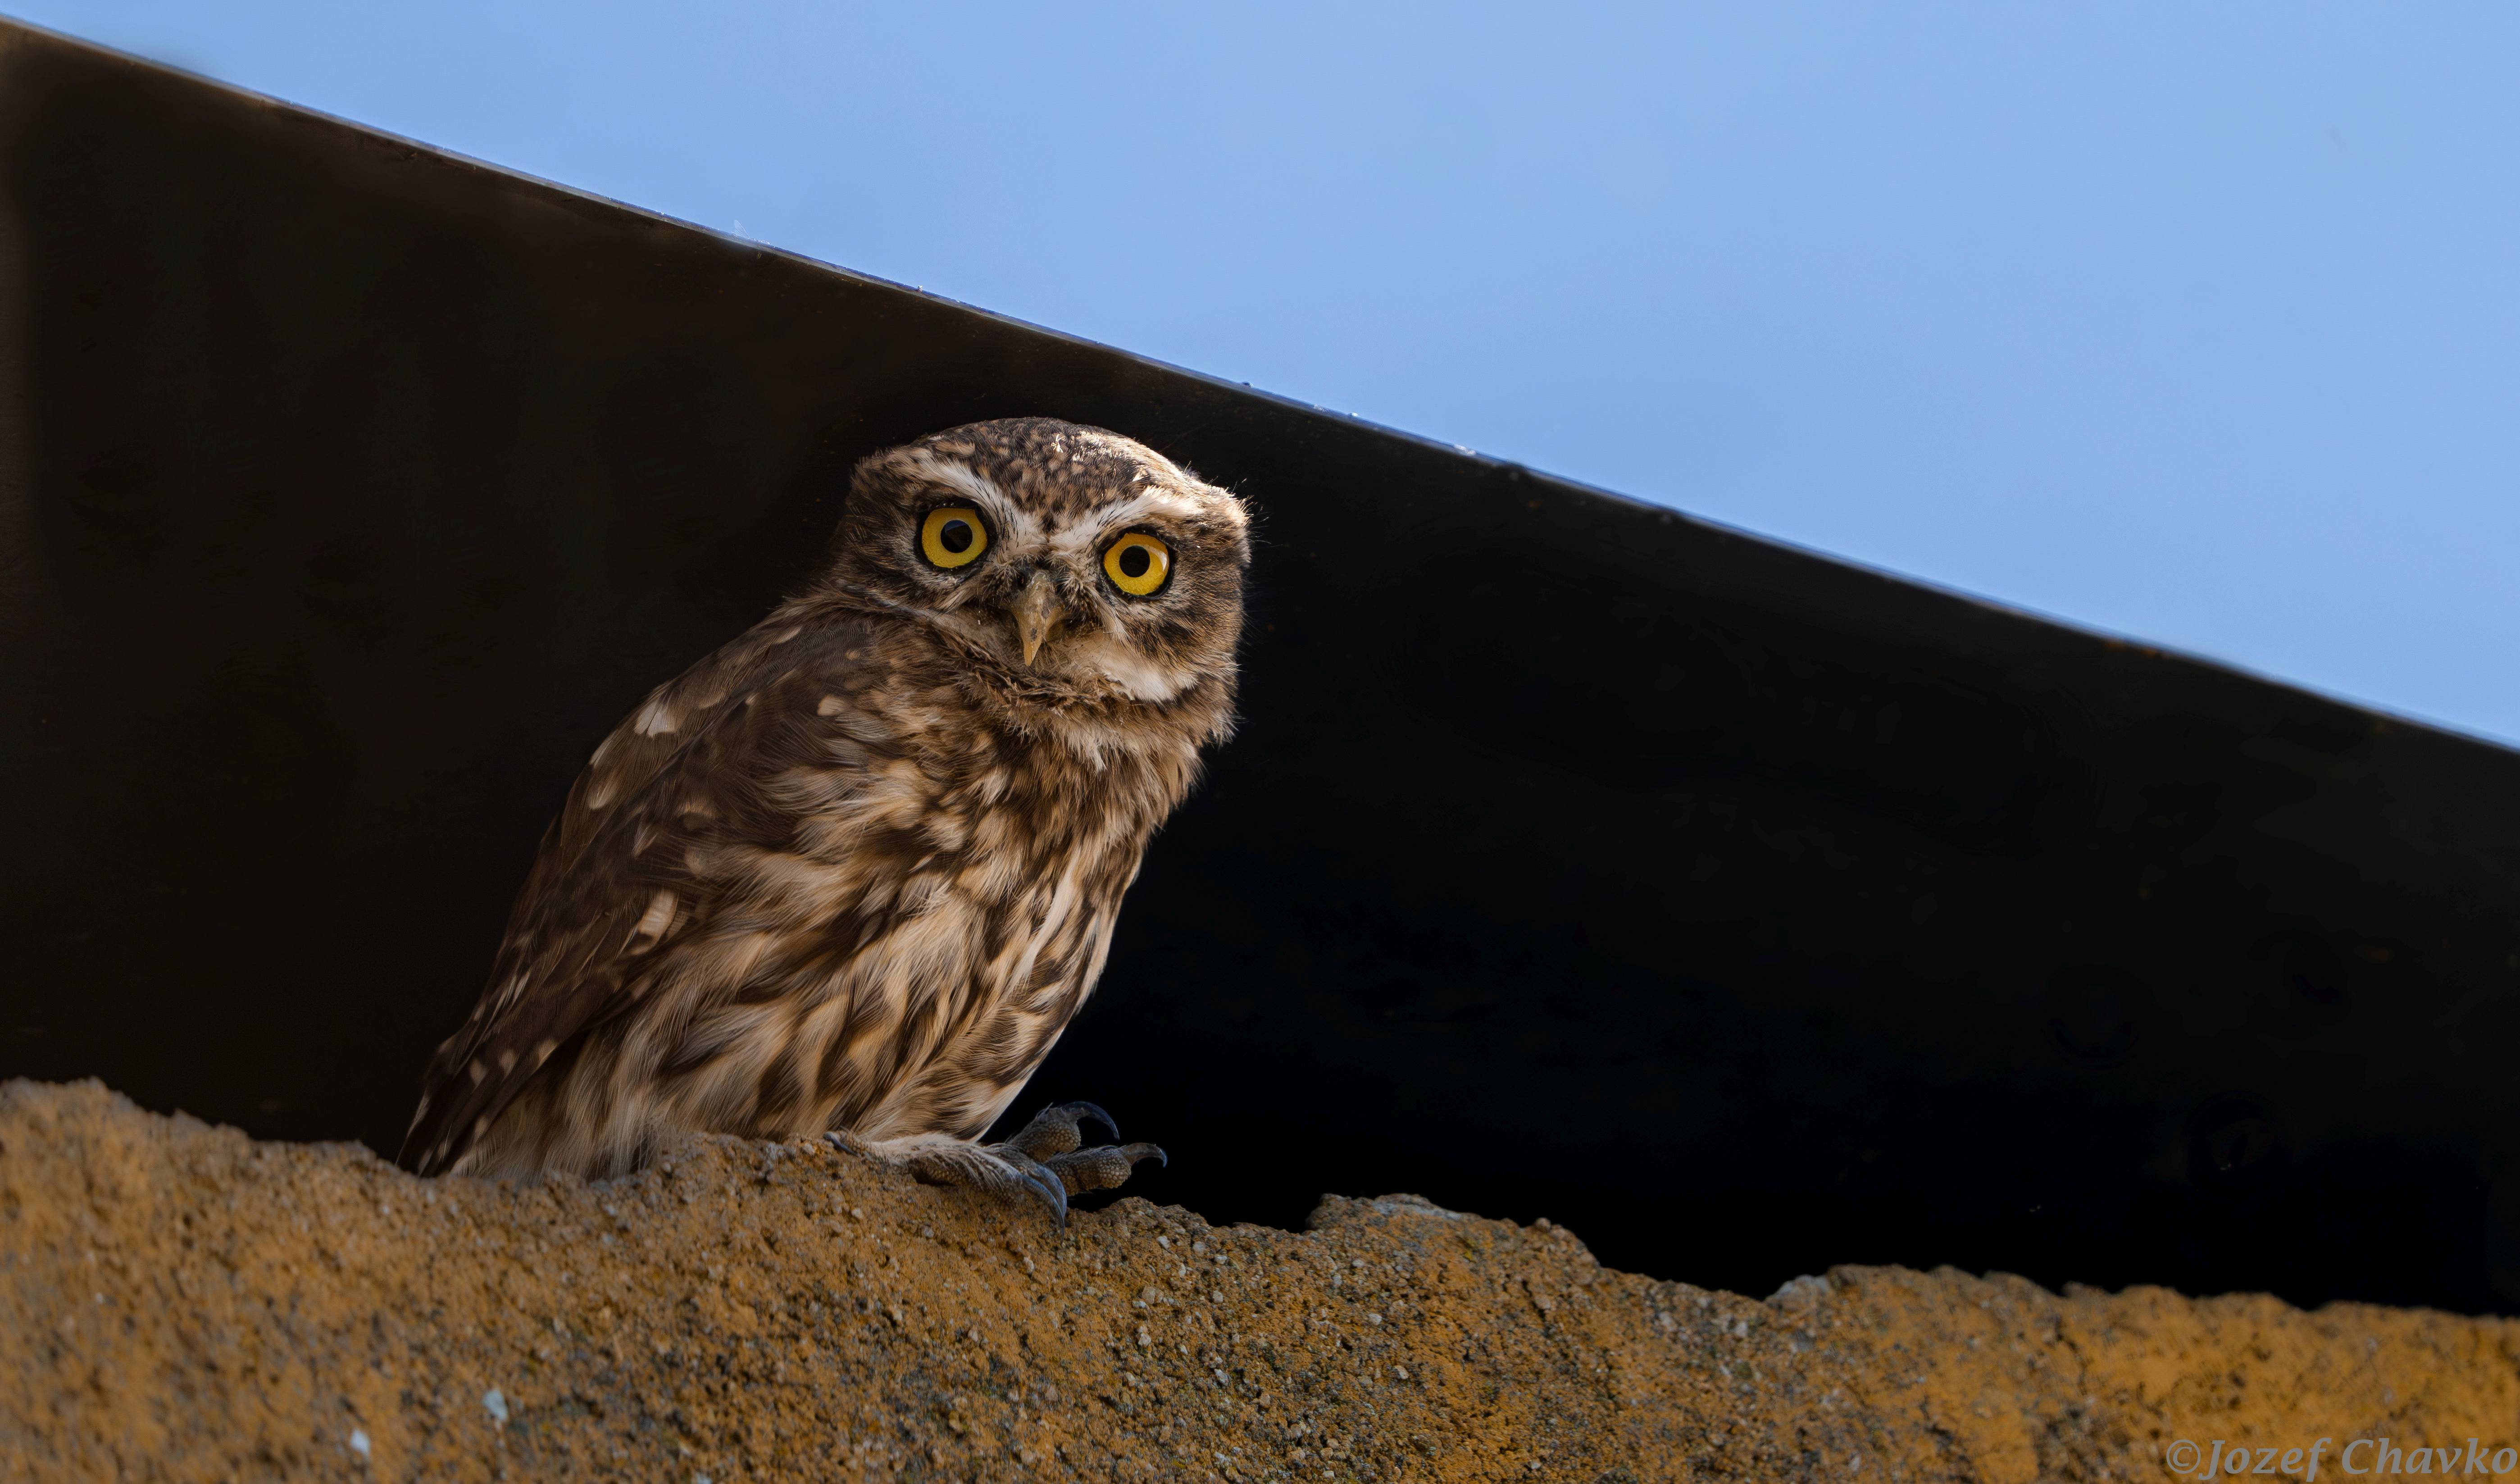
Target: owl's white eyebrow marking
point(1015, 524)
point(1088, 533)
point(952, 475)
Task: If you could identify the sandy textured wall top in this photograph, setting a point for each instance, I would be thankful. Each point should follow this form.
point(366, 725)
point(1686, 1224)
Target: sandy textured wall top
point(178, 1302)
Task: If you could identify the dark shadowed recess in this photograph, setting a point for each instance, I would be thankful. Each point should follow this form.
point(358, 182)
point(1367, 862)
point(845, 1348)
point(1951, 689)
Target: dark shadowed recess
point(1744, 910)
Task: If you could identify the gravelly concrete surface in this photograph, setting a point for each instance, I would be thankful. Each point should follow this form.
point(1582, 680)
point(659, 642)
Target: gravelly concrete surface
point(179, 1302)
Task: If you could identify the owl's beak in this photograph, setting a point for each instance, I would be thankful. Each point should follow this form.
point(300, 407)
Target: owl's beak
point(1037, 614)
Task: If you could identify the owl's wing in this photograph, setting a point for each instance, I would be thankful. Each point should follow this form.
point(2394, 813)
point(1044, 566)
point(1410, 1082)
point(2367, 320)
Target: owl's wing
point(612, 883)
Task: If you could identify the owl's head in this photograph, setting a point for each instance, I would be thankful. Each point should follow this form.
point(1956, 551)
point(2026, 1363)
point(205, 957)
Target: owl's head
point(1079, 560)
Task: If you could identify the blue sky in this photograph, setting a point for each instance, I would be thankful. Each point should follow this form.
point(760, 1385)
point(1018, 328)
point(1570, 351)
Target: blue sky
point(2197, 322)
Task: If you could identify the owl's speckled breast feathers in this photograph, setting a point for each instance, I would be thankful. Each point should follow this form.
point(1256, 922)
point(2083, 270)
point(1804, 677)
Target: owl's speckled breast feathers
point(857, 869)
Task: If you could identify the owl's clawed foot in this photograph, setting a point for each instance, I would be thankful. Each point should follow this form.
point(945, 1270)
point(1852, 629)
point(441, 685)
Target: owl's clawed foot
point(1041, 1162)
point(941, 1159)
point(1058, 1127)
point(1053, 1138)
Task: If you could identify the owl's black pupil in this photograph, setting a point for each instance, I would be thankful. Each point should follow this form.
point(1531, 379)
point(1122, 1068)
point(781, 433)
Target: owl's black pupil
point(955, 537)
point(1134, 562)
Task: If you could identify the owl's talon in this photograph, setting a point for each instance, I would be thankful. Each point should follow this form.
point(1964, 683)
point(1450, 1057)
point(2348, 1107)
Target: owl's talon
point(1051, 1142)
point(1040, 1180)
point(1054, 1130)
point(1105, 1167)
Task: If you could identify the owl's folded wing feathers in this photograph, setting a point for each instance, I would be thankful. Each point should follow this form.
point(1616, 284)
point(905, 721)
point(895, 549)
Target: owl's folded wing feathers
point(612, 882)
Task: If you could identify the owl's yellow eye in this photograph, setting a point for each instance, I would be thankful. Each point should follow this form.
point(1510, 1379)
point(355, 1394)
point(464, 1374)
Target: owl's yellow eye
point(1137, 564)
point(953, 536)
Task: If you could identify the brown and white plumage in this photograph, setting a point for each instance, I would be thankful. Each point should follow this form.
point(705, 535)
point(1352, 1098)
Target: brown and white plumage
point(856, 870)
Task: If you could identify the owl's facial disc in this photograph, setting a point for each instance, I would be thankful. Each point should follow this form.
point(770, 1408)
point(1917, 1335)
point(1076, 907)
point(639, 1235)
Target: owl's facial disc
point(1089, 563)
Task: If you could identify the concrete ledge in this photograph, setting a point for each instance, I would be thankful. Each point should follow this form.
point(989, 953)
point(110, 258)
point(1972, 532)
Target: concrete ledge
point(179, 1302)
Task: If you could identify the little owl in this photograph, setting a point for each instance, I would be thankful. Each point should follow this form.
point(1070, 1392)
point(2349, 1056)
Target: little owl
point(851, 874)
